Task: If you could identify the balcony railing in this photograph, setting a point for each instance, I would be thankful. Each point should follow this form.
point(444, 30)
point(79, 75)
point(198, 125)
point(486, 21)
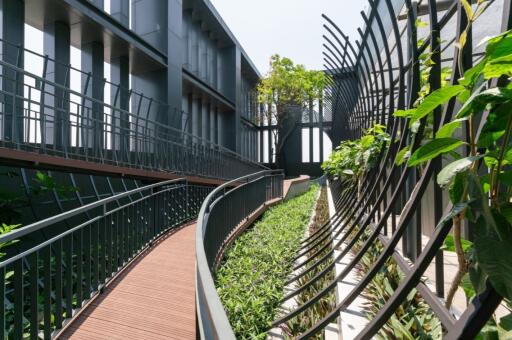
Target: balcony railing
point(225, 209)
point(40, 115)
point(61, 262)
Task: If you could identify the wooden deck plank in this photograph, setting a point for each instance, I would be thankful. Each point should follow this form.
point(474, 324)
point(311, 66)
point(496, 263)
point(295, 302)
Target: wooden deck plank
point(153, 299)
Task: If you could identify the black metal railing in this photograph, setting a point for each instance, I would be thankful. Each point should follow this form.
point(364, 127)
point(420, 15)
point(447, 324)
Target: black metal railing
point(40, 115)
point(399, 206)
point(222, 212)
point(45, 283)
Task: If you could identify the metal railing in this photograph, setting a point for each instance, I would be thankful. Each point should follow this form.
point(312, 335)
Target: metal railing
point(222, 212)
point(39, 115)
point(382, 74)
point(45, 283)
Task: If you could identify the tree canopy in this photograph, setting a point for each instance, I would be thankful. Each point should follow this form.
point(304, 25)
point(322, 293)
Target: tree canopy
point(288, 85)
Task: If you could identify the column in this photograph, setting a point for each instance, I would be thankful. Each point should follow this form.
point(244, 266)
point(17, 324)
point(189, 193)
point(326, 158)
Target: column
point(175, 53)
point(93, 86)
point(57, 47)
point(120, 75)
point(98, 3)
point(205, 120)
point(120, 10)
point(196, 116)
point(13, 32)
point(213, 121)
point(216, 125)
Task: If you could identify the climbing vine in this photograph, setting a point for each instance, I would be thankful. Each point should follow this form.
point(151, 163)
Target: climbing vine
point(353, 158)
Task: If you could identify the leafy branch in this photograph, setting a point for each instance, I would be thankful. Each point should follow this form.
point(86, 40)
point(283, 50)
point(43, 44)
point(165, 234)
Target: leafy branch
point(486, 192)
point(352, 159)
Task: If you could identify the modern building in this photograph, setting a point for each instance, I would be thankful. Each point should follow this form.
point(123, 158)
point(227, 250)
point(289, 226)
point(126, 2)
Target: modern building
point(123, 123)
point(178, 60)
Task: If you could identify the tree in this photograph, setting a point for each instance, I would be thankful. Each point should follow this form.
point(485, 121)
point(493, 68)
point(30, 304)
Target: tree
point(287, 86)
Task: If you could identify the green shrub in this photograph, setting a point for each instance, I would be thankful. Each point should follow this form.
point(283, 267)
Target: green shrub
point(413, 319)
point(320, 309)
point(250, 281)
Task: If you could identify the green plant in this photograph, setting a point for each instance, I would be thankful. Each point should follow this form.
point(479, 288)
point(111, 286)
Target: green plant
point(250, 280)
point(413, 319)
point(11, 208)
point(286, 85)
point(12, 203)
point(352, 159)
point(479, 182)
point(320, 309)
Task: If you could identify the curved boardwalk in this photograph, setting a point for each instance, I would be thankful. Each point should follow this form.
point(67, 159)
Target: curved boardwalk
point(154, 298)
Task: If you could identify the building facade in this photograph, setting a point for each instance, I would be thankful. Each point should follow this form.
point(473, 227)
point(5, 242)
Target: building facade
point(172, 62)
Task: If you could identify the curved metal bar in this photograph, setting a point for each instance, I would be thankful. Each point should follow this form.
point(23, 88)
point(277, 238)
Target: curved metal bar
point(18, 233)
point(212, 319)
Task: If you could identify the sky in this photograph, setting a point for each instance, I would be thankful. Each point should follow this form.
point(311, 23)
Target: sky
point(291, 28)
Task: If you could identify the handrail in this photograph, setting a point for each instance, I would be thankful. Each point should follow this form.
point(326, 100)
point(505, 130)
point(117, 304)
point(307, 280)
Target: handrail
point(212, 321)
point(40, 119)
point(58, 274)
point(114, 108)
point(15, 234)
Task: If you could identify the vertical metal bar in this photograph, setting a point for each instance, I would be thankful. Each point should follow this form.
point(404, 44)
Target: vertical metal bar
point(108, 247)
point(47, 291)
point(435, 83)
point(18, 299)
point(2, 306)
point(42, 114)
point(95, 265)
point(58, 282)
point(87, 260)
point(68, 277)
point(34, 295)
point(79, 267)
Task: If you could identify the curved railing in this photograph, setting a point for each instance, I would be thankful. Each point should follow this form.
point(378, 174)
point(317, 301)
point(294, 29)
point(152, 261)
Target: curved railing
point(40, 115)
point(222, 212)
point(45, 283)
point(400, 208)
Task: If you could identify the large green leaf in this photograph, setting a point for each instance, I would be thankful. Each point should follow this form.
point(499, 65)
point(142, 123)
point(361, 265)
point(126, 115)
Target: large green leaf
point(366, 141)
point(506, 177)
point(472, 75)
point(404, 113)
point(492, 252)
point(467, 286)
point(480, 100)
point(402, 155)
point(495, 125)
point(499, 46)
point(448, 129)
point(433, 149)
point(436, 98)
point(478, 278)
point(456, 190)
point(498, 67)
point(447, 174)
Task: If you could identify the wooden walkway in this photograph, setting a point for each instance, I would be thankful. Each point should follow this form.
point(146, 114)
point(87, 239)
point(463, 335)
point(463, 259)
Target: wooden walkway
point(154, 298)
